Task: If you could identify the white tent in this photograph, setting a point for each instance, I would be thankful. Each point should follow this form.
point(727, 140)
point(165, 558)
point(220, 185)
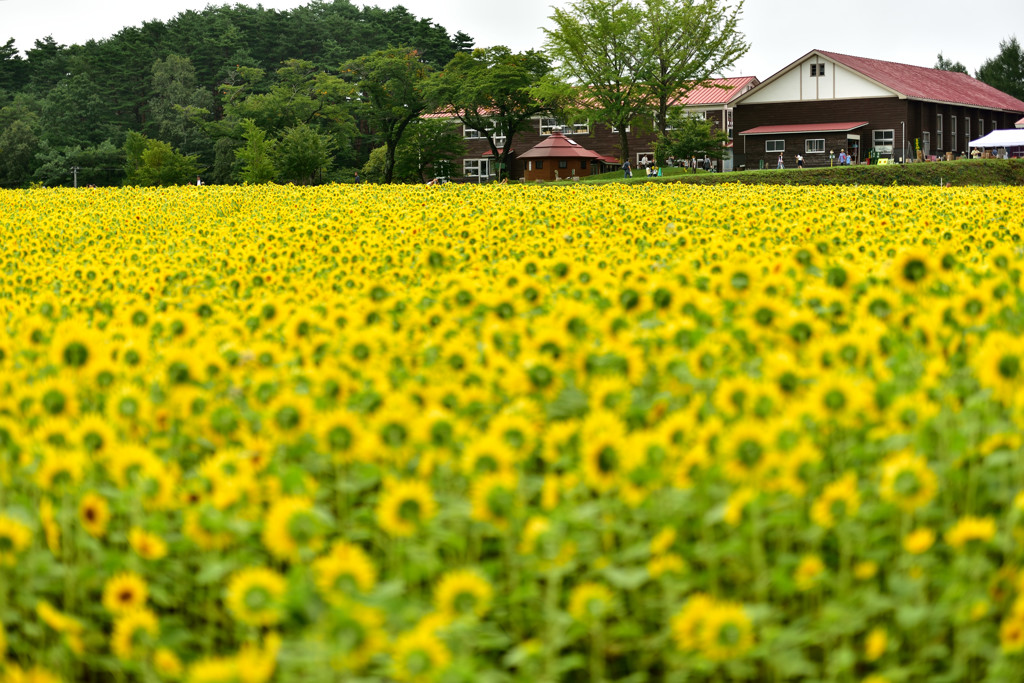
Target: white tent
point(1001, 138)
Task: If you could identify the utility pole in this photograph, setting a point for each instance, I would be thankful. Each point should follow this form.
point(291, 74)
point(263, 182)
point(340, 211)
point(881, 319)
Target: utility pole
point(74, 170)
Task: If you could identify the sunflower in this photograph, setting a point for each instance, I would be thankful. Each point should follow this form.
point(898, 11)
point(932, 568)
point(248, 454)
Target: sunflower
point(353, 634)
point(14, 538)
point(404, 506)
point(344, 570)
point(48, 518)
point(999, 365)
point(971, 528)
point(69, 627)
point(913, 270)
point(809, 572)
point(147, 545)
point(254, 596)
point(590, 601)
point(876, 643)
point(463, 591)
point(60, 470)
point(292, 526)
point(919, 540)
point(493, 498)
point(907, 481)
point(133, 634)
point(726, 632)
point(688, 624)
point(37, 674)
point(125, 592)
point(76, 347)
point(166, 663)
point(419, 656)
point(94, 513)
point(840, 500)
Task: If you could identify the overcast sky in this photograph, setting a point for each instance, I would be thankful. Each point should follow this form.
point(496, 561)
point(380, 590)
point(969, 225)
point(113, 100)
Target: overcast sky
point(780, 31)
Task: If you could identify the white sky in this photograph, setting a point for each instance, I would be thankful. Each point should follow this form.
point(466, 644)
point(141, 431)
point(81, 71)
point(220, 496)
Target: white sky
point(909, 31)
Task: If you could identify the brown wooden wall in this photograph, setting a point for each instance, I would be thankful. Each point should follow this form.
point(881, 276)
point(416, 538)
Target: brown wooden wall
point(880, 113)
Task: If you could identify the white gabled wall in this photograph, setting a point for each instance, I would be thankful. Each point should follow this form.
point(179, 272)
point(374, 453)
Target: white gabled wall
point(796, 84)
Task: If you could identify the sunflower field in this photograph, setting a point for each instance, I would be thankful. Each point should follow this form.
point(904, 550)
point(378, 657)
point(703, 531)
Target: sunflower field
point(462, 434)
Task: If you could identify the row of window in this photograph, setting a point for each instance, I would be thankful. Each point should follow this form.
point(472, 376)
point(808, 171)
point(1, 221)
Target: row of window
point(811, 146)
point(551, 125)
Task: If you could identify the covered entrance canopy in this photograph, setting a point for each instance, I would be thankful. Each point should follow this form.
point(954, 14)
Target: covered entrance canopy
point(1001, 138)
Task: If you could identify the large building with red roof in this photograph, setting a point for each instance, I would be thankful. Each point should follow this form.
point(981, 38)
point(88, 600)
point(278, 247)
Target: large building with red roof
point(826, 102)
point(712, 101)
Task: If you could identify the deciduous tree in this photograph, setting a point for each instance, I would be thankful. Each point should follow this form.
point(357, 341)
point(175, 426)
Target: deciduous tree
point(943, 64)
point(493, 91)
point(392, 84)
point(600, 47)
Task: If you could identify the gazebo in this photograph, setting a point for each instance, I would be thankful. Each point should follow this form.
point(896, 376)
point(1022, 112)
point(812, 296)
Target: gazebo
point(558, 158)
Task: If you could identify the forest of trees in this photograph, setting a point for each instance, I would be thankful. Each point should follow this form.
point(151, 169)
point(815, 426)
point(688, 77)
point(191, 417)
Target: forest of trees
point(231, 92)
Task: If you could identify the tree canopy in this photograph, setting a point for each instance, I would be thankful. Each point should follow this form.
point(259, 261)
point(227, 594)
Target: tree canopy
point(630, 59)
point(1005, 71)
point(493, 91)
point(193, 80)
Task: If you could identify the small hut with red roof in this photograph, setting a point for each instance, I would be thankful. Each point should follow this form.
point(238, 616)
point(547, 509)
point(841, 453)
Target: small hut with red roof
point(558, 157)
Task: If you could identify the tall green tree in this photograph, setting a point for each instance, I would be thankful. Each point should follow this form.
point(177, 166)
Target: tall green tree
point(18, 145)
point(1005, 71)
point(392, 84)
point(155, 163)
point(599, 47)
point(690, 136)
point(691, 42)
point(494, 91)
point(13, 68)
point(176, 103)
point(304, 155)
point(943, 64)
point(257, 155)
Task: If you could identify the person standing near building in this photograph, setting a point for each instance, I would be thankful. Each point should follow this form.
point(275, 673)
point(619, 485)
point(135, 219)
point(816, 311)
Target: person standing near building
point(842, 157)
point(626, 171)
point(780, 165)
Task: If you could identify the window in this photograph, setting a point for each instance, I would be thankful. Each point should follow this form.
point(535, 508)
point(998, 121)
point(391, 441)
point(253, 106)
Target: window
point(967, 133)
point(952, 132)
point(938, 131)
point(728, 122)
point(470, 133)
point(640, 156)
point(817, 70)
point(995, 125)
point(883, 140)
point(583, 163)
point(775, 146)
point(814, 146)
point(549, 126)
point(616, 130)
point(981, 127)
point(540, 165)
point(474, 167)
point(926, 143)
point(563, 163)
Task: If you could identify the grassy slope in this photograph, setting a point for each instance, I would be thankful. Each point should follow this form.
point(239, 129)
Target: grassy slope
point(956, 173)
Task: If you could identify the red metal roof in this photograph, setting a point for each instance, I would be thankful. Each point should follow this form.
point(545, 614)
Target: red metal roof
point(805, 128)
point(557, 145)
point(716, 91)
point(923, 83)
